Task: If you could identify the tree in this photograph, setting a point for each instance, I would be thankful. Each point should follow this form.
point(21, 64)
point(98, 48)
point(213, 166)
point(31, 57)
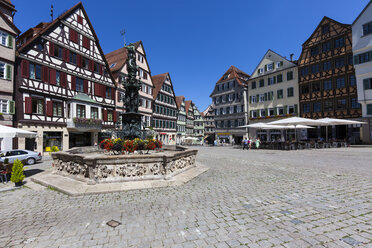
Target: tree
point(17, 172)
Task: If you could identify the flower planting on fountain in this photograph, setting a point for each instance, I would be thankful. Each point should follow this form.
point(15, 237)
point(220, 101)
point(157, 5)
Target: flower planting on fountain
point(121, 146)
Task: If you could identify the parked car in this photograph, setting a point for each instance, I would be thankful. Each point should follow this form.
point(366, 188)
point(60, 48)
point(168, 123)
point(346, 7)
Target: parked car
point(29, 157)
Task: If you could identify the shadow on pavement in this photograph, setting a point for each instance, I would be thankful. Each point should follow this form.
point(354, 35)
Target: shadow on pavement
point(31, 172)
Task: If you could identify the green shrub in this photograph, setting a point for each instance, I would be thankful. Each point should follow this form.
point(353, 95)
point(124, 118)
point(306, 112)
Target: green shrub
point(17, 172)
point(6, 161)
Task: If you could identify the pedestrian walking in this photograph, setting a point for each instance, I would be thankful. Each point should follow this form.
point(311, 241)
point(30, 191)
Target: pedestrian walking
point(258, 142)
point(250, 143)
point(245, 143)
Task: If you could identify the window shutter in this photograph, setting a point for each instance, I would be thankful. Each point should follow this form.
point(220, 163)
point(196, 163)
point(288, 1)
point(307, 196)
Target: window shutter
point(51, 48)
point(285, 109)
point(105, 115)
point(273, 65)
point(52, 76)
point(78, 58)
point(295, 108)
point(115, 117)
point(49, 108)
point(112, 93)
point(267, 112)
point(10, 41)
point(97, 89)
point(356, 59)
point(265, 67)
point(257, 98)
point(80, 19)
point(265, 96)
point(65, 54)
point(8, 72)
point(63, 79)
point(28, 105)
point(91, 65)
point(11, 110)
point(25, 68)
point(103, 91)
point(73, 83)
point(274, 80)
point(101, 69)
point(250, 99)
point(85, 86)
point(44, 74)
point(281, 63)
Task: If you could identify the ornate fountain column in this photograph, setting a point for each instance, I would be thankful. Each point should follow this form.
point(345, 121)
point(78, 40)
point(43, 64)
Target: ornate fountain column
point(131, 119)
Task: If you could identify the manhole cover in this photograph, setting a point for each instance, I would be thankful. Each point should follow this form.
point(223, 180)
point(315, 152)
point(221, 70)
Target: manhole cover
point(350, 241)
point(113, 223)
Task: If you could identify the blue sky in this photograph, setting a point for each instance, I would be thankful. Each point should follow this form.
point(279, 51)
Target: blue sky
point(197, 41)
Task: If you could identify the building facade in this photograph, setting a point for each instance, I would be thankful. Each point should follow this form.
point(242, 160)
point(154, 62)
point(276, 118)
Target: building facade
point(229, 98)
point(8, 32)
point(327, 79)
point(209, 124)
point(64, 89)
point(189, 107)
point(362, 50)
point(272, 93)
point(198, 126)
point(181, 120)
point(164, 118)
point(118, 66)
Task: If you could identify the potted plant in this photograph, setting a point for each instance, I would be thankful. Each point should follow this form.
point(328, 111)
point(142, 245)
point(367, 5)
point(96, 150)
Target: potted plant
point(6, 161)
point(17, 173)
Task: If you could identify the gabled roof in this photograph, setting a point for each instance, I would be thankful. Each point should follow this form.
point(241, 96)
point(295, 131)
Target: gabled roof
point(8, 4)
point(271, 51)
point(44, 27)
point(179, 100)
point(11, 24)
point(209, 108)
point(119, 57)
point(321, 23)
point(235, 73)
point(158, 81)
point(361, 13)
point(187, 105)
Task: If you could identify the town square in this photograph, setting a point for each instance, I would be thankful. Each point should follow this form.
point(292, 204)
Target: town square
point(185, 124)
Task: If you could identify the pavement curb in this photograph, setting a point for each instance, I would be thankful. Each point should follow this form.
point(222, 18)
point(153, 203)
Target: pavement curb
point(76, 188)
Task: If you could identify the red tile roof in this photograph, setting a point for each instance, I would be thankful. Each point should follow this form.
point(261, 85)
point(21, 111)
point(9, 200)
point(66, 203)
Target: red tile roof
point(119, 57)
point(187, 105)
point(158, 81)
point(235, 73)
point(179, 100)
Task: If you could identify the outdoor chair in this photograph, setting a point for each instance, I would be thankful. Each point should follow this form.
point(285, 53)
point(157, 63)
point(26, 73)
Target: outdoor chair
point(3, 174)
point(334, 145)
point(316, 145)
point(308, 145)
point(292, 146)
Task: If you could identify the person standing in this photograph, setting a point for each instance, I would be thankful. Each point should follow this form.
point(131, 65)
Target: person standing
point(258, 142)
point(245, 143)
point(250, 143)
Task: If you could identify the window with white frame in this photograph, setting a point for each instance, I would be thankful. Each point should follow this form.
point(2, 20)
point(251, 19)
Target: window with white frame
point(260, 71)
point(270, 67)
point(271, 112)
point(262, 97)
point(279, 64)
point(280, 111)
point(3, 38)
point(140, 58)
point(291, 109)
point(262, 112)
point(254, 99)
point(270, 81)
point(254, 113)
point(2, 70)
point(4, 106)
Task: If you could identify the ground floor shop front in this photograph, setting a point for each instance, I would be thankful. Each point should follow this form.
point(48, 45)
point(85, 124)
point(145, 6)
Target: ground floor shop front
point(59, 136)
point(168, 138)
point(230, 137)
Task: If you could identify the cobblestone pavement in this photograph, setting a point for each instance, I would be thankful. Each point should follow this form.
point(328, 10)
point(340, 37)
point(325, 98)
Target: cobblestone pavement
point(310, 198)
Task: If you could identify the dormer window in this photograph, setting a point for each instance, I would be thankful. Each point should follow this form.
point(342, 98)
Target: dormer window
point(226, 76)
point(279, 64)
point(260, 71)
point(112, 65)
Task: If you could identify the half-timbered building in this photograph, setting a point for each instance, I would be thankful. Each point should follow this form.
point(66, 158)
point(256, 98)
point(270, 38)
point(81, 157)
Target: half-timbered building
point(118, 66)
point(327, 81)
point(209, 124)
point(64, 89)
point(189, 107)
point(8, 32)
point(164, 118)
point(181, 120)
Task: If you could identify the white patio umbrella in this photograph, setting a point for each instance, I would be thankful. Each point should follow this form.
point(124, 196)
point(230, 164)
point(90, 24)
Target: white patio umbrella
point(295, 121)
point(262, 125)
point(334, 122)
point(11, 132)
point(288, 127)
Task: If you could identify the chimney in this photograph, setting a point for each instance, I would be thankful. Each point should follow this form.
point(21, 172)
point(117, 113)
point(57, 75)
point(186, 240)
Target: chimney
point(291, 55)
